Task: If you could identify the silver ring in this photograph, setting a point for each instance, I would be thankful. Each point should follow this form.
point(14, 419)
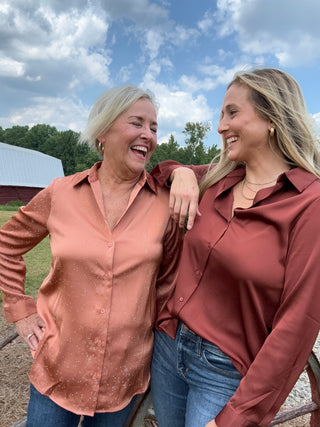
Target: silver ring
point(29, 336)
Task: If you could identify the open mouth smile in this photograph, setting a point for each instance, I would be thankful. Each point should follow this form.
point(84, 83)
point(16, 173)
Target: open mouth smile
point(231, 140)
point(140, 150)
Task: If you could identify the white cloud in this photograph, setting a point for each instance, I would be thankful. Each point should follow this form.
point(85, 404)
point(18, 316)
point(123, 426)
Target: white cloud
point(4, 9)
point(316, 118)
point(214, 76)
point(125, 73)
point(273, 28)
point(95, 66)
point(142, 12)
point(11, 68)
point(154, 40)
point(63, 113)
point(194, 84)
point(61, 50)
point(178, 105)
point(33, 79)
point(206, 23)
point(36, 40)
point(182, 35)
point(165, 138)
point(163, 37)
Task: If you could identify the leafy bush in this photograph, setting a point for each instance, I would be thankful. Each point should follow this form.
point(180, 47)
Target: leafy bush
point(13, 205)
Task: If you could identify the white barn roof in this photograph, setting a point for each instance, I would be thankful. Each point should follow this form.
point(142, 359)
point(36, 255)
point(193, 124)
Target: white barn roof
point(27, 168)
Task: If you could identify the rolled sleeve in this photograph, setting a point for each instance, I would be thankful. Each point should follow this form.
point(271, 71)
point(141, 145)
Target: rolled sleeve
point(164, 169)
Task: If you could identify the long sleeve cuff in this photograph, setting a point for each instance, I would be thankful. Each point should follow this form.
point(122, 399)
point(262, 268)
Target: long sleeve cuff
point(228, 417)
point(17, 308)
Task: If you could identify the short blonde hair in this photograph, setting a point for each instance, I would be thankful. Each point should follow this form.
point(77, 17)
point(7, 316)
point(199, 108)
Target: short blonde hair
point(277, 97)
point(108, 107)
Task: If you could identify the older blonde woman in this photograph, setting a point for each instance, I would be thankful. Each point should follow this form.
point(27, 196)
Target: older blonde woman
point(115, 251)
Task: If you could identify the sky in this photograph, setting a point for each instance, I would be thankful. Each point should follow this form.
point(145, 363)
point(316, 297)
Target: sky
point(58, 56)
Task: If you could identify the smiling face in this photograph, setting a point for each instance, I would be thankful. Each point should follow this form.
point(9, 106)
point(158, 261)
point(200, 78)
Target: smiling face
point(131, 139)
point(245, 133)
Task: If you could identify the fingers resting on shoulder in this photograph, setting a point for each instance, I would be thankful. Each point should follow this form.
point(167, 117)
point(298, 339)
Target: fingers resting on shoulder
point(184, 196)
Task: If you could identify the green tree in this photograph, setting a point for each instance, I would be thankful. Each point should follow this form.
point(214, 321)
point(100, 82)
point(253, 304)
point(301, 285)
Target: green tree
point(1, 134)
point(37, 137)
point(77, 157)
point(212, 152)
point(15, 135)
point(63, 145)
point(195, 151)
point(165, 151)
point(85, 157)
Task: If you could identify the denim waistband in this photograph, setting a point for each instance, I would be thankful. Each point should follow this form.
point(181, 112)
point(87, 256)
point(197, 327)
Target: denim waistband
point(185, 331)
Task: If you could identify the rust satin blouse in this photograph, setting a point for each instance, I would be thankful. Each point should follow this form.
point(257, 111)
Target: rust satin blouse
point(250, 284)
point(103, 291)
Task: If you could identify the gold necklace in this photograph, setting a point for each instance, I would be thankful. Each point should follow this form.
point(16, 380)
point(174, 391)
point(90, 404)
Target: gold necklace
point(263, 183)
point(242, 192)
point(252, 189)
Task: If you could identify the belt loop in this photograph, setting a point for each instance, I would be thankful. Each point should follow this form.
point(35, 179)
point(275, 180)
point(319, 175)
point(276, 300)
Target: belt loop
point(198, 345)
point(180, 326)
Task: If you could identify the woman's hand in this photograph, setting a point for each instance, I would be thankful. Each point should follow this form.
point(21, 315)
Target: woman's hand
point(31, 330)
point(184, 196)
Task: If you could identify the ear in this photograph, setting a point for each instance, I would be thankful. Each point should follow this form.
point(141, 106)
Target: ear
point(270, 125)
point(101, 138)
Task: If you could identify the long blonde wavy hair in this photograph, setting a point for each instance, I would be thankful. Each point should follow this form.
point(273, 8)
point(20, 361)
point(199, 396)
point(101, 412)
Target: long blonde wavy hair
point(277, 97)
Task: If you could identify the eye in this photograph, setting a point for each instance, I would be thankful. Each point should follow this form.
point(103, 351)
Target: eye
point(138, 124)
point(233, 112)
point(154, 130)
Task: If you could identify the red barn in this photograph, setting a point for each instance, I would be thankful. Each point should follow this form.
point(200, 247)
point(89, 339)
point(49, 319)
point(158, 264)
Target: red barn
point(23, 172)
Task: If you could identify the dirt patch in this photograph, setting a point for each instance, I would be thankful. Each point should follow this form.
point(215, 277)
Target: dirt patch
point(15, 362)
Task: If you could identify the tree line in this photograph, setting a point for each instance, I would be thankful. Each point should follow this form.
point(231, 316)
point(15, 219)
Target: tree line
point(77, 157)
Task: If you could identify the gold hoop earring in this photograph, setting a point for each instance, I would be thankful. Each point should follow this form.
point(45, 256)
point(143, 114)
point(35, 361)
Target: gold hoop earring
point(100, 147)
point(272, 132)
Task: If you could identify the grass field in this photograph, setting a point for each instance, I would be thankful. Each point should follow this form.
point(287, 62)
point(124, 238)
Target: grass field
point(15, 357)
point(37, 260)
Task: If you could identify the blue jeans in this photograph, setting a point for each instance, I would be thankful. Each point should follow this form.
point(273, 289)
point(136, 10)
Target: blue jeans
point(43, 412)
point(191, 379)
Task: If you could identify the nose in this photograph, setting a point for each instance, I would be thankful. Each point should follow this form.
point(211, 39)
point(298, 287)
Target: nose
point(147, 133)
point(223, 125)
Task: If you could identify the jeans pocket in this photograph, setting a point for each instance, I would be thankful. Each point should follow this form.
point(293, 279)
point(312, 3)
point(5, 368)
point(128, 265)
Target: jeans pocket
point(219, 362)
